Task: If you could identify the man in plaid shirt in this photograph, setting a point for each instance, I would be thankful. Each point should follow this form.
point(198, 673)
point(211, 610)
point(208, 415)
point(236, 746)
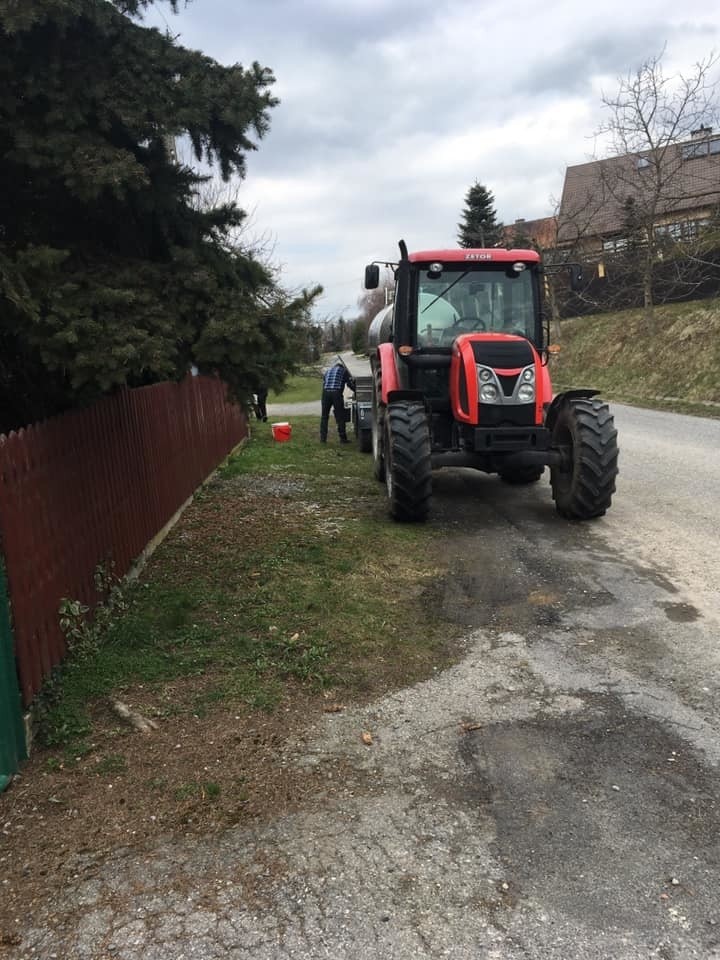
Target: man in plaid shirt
point(334, 381)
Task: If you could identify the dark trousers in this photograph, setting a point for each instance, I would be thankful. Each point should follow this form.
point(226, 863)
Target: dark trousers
point(261, 406)
point(332, 400)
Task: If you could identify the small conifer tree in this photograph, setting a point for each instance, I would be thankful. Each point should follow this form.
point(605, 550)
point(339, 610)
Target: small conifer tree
point(478, 225)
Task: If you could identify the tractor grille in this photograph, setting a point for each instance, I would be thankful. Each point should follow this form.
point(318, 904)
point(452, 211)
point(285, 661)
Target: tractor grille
point(502, 355)
point(517, 415)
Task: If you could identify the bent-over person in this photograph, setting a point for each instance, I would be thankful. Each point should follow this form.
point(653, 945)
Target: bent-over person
point(334, 381)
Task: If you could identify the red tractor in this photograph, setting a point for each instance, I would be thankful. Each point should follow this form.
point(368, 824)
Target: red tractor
point(460, 378)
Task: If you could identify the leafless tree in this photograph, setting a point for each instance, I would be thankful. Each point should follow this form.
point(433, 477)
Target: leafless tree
point(214, 193)
point(654, 179)
point(371, 302)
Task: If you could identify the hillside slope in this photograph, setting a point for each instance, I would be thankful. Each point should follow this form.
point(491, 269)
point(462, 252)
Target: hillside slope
point(677, 368)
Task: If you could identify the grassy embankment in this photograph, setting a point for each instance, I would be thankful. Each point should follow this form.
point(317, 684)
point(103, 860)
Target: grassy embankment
point(677, 368)
point(301, 388)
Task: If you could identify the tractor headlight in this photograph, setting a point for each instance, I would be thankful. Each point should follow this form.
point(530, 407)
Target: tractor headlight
point(488, 392)
point(528, 375)
point(485, 375)
point(526, 393)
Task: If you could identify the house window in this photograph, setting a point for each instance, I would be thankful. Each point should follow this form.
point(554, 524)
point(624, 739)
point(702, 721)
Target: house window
point(673, 230)
point(692, 150)
point(686, 230)
point(691, 228)
point(642, 163)
point(613, 244)
point(715, 146)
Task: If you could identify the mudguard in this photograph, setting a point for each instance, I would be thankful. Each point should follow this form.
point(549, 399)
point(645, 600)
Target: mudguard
point(389, 379)
point(560, 399)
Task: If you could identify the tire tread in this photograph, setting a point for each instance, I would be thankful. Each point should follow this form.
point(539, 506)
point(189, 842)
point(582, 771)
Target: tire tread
point(410, 460)
point(595, 461)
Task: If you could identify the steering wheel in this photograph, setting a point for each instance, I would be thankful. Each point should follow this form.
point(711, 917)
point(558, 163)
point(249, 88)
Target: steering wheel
point(469, 325)
point(460, 326)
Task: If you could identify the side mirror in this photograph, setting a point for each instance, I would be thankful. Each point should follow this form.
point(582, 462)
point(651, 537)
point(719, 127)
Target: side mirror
point(372, 276)
point(576, 276)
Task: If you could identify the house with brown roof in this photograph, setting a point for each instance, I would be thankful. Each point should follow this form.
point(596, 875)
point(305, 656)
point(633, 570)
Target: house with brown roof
point(540, 233)
point(673, 192)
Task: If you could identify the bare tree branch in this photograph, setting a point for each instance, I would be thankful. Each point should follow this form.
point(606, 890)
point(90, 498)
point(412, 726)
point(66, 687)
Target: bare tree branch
point(651, 182)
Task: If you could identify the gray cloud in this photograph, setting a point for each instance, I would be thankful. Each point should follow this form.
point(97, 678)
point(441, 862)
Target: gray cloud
point(570, 69)
point(390, 110)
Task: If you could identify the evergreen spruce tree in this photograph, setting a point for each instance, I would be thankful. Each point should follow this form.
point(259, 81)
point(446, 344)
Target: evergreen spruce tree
point(478, 225)
point(110, 272)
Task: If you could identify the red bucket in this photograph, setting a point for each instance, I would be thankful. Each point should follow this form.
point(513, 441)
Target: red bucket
point(281, 432)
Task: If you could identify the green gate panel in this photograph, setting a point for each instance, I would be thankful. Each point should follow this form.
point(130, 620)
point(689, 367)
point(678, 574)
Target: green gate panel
point(12, 733)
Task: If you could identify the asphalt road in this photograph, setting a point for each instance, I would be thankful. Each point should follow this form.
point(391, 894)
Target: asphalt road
point(554, 795)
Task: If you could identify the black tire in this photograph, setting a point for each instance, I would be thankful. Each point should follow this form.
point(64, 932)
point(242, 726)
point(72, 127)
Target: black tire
point(408, 466)
point(377, 436)
point(584, 432)
point(521, 475)
point(365, 441)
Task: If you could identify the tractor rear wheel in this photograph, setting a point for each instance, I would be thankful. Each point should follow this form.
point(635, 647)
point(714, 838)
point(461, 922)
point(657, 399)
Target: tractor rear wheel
point(584, 433)
point(408, 465)
point(521, 475)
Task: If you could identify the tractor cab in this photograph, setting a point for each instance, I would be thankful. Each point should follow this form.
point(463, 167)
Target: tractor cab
point(449, 298)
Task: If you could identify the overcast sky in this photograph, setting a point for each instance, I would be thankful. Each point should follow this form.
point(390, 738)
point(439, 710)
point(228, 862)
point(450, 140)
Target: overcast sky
point(391, 109)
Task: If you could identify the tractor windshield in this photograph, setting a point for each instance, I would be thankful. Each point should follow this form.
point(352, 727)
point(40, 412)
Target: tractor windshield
point(466, 301)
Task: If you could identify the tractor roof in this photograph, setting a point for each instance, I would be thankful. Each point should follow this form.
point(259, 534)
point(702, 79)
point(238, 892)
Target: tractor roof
point(479, 255)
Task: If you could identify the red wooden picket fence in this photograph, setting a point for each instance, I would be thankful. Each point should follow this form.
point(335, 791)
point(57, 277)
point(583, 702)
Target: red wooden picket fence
point(96, 485)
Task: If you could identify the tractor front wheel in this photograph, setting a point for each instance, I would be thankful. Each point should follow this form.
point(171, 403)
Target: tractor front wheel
point(584, 433)
point(408, 465)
